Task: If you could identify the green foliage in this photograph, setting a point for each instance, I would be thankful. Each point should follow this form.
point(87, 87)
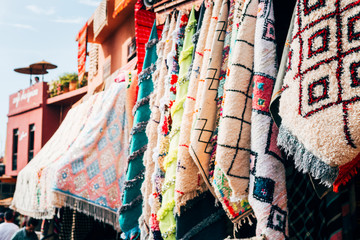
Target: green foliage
point(56, 87)
point(66, 78)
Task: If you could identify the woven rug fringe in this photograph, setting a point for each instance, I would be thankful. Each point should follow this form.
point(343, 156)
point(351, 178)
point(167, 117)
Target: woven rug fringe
point(38, 215)
point(242, 219)
point(98, 213)
point(305, 161)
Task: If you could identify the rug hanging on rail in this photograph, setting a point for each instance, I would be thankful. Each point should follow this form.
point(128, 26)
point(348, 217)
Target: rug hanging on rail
point(89, 175)
point(319, 104)
point(267, 184)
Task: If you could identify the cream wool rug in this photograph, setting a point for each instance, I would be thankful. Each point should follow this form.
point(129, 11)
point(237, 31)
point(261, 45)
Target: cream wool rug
point(199, 155)
point(233, 148)
point(236, 211)
point(151, 133)
point(320, 105)
point(222, 78)
point(267, 185)
point(188, 173)
point(30, 193)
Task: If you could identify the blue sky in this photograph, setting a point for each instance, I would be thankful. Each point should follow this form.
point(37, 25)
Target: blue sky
point(37, 30)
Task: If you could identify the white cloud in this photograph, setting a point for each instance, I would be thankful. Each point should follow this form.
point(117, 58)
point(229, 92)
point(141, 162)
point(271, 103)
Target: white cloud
point(24, 26)
point(18, 25)
point(77, 20)
point(93, 3)
point(41, 11)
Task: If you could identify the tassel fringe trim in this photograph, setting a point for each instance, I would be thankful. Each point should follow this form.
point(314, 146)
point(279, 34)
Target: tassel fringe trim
point(344, 178)
point(126, 207)
point(305, 161)
point(131, 183)
point(146, 73)
point(140, 127)
point(151, 43)
point(97, 212)
point(138, 104)
point(137, 153)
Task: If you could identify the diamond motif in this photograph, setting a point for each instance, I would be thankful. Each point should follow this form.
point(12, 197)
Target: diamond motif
point(319, 42)
point(102, 143)
point(264, 189)
point(109, 175)
point(353, 33)
point(101, 201)
point(269, 30)
point(113, 132)
point(117, 148)
point(93, 169)
point(111, 116)
point(318, 90)
point(277, 219)
point(308, 7)
point(354, 71)
point(77, 165)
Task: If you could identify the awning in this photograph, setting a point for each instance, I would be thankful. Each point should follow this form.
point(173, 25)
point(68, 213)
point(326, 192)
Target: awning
point(85, 172)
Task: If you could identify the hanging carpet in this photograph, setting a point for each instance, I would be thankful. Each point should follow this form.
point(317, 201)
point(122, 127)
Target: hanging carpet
point(29, 197)
point(319, 104)
point(267, 185)
point(132, 198)
point(90, 174)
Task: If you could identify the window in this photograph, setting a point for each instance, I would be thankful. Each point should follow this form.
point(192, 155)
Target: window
point(15, 149)
point(107, 67)
point(131, 49)
point(31, 142)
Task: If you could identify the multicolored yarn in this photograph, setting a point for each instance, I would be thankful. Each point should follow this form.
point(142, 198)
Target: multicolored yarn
point(267, 185)
point(158, 175)
point(151, 133)
point(165, 214)
point(131, 209)
point(322, 90)
point(167, 101)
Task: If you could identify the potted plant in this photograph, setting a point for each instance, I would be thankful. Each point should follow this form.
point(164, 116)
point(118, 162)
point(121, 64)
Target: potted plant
point(52, 88)
point(73, 79)
point(65, 85)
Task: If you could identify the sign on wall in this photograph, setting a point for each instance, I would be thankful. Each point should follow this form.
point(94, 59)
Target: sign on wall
point(26, 99)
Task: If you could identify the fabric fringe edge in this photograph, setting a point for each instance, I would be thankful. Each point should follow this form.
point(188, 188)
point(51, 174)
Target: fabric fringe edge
point(97, 212)
point(305, 161)
point(38, 215)
point(241, 219)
